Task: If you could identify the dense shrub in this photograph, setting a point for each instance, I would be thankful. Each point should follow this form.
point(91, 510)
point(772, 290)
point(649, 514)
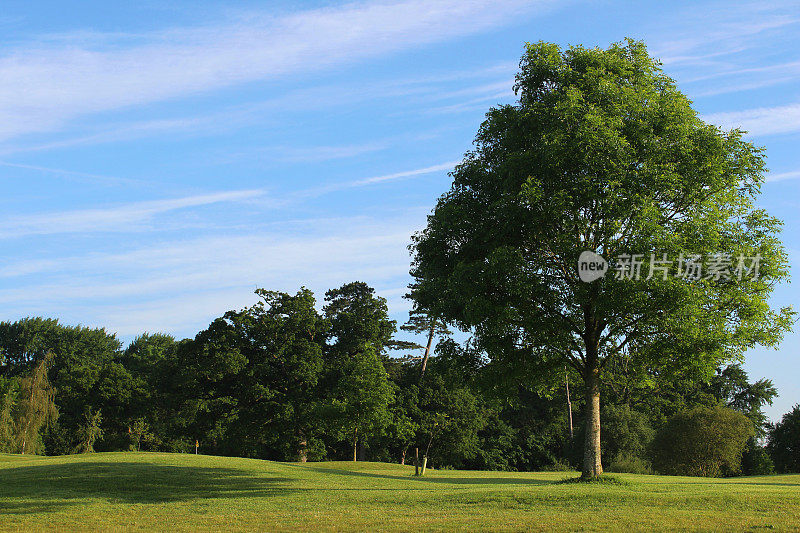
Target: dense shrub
point(632, 464)
point(704, 441)
point(756, 461)
point(784, 442)
point(626, 435)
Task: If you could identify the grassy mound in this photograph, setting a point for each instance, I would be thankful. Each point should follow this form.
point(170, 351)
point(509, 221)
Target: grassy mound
point(603, 479)
point(169, 492)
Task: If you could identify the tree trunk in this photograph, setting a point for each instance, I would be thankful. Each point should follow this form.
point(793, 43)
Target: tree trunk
point(428, 349)
point(592, 466)
point(362, 452)
point(355, 445)
point(403, 457)
point(302, 448)
point(569, 405)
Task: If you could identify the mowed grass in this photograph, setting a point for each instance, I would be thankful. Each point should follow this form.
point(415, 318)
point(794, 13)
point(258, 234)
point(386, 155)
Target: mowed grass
point(173, 492)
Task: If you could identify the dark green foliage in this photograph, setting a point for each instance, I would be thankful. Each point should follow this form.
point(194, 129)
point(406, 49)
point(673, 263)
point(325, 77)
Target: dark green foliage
point(361, 398)
point(626, 436)
point(360, 392)
point(9, 390)
point(273, 381)
point(731, 386)
point(704, 441)
point(784, 442)
point(80, 356)
point(756, 460)
point(603, 479)
point(631, 464)
point(252, 377)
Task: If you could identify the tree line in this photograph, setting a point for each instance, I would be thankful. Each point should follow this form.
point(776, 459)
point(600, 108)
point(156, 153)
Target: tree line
point(600, 155)
point(281, 380)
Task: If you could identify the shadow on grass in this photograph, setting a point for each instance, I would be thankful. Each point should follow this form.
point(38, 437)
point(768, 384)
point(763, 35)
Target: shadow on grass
point(45, 488)
point(437, 478)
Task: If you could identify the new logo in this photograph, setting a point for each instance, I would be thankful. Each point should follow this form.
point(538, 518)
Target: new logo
point(591, 266)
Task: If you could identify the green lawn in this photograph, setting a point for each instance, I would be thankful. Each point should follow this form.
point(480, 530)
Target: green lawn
point(169, 492)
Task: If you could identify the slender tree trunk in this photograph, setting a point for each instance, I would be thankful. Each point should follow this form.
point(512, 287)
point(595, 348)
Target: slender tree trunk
point(355, 445)
point(362, 452)
point(569, 405)
point(428, 349)
point(302, 448)
point(592, 466)
point(403, 456)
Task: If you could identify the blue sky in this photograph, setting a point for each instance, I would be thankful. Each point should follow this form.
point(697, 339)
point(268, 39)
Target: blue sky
point(160, 160)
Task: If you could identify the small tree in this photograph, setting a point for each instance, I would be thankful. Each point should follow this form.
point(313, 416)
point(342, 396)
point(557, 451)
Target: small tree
point(362, 395)
point(784, 442)
point(139, 431)
point(89, 432)
point(35, 409)
point(8, 398)
point(704, 441)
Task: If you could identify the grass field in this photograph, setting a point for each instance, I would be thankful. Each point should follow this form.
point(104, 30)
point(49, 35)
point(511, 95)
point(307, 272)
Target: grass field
point(167, 492)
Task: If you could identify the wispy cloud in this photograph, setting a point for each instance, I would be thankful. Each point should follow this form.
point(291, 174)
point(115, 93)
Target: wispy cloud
point(729, 35)
point(325, 189)
point(760, 121)
point(782, 176)
point(46, 83)
point(111, 218)
point(310, 154)
point(732, 54)
point(205, 276)
point(127, 217)
point(77, 176)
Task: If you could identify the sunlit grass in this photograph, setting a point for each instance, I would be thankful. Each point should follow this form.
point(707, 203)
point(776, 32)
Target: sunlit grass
point(170, 492)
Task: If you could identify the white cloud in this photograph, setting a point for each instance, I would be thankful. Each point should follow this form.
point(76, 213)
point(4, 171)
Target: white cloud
point(760, 121)
point(112, 218)
point(311, 154)
point(46, 83)
point(406, 174)
point(420, 91)
point(179, 286)
point(126, 216)
point(319, 191)
point(783, 176)
point(78, 176)
point(731, 33)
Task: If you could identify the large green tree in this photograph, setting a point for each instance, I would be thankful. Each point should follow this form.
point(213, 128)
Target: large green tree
point(357, 380)
point(253, 377)
point(602, 153)
point(784, 442)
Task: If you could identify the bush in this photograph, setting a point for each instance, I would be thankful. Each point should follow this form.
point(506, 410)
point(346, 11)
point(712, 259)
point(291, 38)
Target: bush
point(704, 441)
point(756, 461)
point(631, 464)
point(784, 442)
point(559, 465)
point(626, 432)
